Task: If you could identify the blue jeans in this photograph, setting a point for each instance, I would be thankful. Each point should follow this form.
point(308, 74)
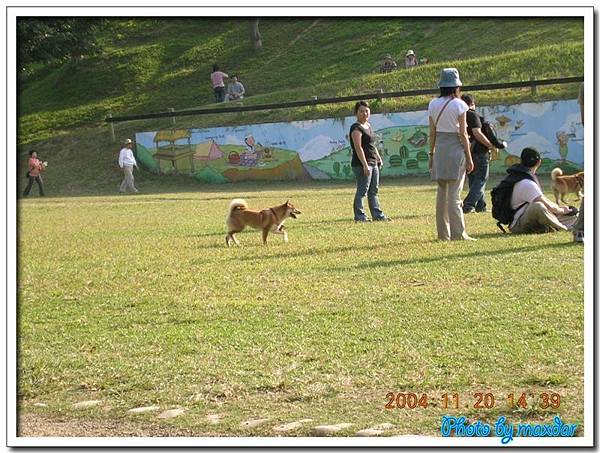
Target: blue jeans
point(369, 187)
point(477, 179)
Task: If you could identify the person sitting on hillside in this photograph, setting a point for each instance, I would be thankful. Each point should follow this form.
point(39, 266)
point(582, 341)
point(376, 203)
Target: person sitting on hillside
point(235, 90)
point(410, 61)
point(534, 213)
point(388, 64)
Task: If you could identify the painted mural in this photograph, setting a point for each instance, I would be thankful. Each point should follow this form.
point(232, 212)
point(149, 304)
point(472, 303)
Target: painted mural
point(320, 149)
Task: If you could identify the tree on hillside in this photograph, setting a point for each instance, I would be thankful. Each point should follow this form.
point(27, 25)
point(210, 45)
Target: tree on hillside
point(46, 40)
point(255, 40)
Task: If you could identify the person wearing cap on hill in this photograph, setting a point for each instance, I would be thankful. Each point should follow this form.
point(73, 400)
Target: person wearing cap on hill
point(534, 212)
point(127, 162)
point(449, 155)
point(410, 61)
point(388, 64)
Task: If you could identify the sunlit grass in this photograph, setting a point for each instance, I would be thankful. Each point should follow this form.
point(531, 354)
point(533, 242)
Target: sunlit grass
point(137, 301)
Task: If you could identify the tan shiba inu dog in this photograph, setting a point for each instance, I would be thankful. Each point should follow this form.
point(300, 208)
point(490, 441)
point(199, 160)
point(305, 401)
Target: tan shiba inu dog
point(562, 185)
point(267, 220)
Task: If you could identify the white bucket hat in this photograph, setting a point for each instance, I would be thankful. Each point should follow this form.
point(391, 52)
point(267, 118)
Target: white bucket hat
point(449, 78)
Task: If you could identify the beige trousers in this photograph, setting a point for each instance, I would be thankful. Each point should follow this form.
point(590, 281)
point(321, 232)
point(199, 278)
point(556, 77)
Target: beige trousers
point(449, 216)
point(537, 219)
point(128, 181)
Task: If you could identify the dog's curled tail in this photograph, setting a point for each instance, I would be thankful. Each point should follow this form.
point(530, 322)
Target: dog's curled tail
point(556, 172)
point(237, 203)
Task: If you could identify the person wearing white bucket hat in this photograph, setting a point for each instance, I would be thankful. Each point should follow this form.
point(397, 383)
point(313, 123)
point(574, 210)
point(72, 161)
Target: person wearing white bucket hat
point(450, 155)
point(410, 60)
point(127, 162)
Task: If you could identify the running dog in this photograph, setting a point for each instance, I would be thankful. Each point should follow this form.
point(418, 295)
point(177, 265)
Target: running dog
point(562, 185)
point(267, 220)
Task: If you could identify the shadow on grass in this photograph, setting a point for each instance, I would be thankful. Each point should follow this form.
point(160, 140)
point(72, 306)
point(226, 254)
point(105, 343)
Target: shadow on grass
point(395, 220)
point(476, 253)
point(290, 253)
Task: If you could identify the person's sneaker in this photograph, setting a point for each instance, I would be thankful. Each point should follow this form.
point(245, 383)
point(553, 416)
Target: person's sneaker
point(482, 210)
point(466, 237)
point(361, 220)
point(578, 236)
point(382, 219)
point(468, 210)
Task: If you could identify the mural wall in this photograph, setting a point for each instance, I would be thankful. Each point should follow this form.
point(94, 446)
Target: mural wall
point(320, 149)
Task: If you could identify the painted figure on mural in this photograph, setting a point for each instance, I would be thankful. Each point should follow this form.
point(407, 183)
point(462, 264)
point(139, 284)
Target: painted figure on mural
point(503, 127)
point(249, 158)
point(563, 145)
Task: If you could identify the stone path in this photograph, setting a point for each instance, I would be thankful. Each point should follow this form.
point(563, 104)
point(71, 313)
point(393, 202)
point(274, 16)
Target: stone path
point(254, 423)
point(172, 413)
point(291, 426)
point(86, 404)
point(142, 410)
point(281, 429)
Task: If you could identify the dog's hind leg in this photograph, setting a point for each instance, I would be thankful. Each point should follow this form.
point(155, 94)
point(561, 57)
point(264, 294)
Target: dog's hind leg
point(562, 197)
point(230, 236)
point(556, 193)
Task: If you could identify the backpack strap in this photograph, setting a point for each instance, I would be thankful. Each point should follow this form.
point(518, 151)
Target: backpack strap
point(442, 111)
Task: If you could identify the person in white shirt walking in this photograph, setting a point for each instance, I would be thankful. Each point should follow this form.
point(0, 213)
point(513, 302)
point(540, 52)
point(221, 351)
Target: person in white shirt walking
point(127, 162)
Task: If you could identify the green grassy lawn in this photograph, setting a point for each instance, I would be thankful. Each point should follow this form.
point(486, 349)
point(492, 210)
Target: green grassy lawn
point(136, 301)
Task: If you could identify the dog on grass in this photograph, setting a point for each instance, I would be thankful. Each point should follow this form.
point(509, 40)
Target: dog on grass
point(564, 184)
point(267, 220)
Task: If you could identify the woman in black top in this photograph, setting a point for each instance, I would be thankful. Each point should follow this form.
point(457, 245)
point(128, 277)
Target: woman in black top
point(366, 163)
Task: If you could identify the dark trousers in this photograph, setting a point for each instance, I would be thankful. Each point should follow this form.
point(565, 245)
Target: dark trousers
point(37, 179)
point(219, 94)
point(477, 179)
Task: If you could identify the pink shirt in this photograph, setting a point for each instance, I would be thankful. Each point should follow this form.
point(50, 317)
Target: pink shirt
point(217, 79)
point(35, 166)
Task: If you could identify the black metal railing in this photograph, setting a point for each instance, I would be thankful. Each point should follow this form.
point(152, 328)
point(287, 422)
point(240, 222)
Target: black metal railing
point(533, 84)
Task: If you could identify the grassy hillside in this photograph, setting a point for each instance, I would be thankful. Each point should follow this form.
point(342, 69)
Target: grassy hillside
point(149, 65)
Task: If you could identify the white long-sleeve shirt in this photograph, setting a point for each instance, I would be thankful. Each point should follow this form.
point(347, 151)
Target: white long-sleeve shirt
point(126, 158)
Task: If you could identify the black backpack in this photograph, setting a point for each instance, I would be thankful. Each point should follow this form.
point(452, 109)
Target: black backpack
point(489, 131)
point(502, 210)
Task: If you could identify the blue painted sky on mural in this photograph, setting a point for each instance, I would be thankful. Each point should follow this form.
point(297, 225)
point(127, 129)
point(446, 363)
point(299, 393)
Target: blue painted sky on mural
point(529, 124)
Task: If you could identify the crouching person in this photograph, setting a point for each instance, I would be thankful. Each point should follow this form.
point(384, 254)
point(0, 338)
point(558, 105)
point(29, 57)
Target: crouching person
point(527, 210)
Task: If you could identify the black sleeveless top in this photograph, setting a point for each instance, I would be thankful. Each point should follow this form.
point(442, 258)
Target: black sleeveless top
point(367, 142)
